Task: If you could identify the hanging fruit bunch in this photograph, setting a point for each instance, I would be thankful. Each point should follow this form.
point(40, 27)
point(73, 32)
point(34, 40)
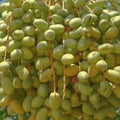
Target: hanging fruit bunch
point(60, 59)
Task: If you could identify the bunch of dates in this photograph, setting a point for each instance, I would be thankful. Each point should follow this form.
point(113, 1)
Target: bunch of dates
point(60, 59)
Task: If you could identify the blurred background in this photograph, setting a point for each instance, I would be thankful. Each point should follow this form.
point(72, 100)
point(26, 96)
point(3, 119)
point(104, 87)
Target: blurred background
point(2, 1)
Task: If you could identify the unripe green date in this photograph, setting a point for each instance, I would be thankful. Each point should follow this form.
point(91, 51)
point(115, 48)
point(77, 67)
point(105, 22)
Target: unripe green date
point(46, 75)
point(101, 65)
point(76, 33)
point(3, 27)
point(57, 19)
point(58, 67)
point(4, 65)
point(116, 90)
point(67, 59)
point(114, 100)
point(83, 43)
point(83, 76)
point(17, 13)
point(7, 85)
point(87, 108)
point(93, 56)
point(71, 70)
point(113, 76)
point(4, 6)
point(22, 72)
point(58, 52)
point(2, 50)
point(105, 48)
point(97, 11)
point(13, 44)
point(111, 60)
point(54, 101)
point(93, 71)
point(88, 19)
point(4, 102)
point(116, 20)
point(42, 113)
point(97, 79)
point(42, 63)
point(16, 54)
point(28, 41)
point(37, 102)
point(105, 89)
point(75, 102)
point(104, 25)
point(27, 53)
point(84, 88)
point(58, 28)
point(56, 114)
point(27, 83)
point(94, 98)
point(68, 18)
point(101, 113)
point(27, 103)
point(66, 105)
point(75, 22)
point(80, 3)
point(27, 18)
point(112, 32)
point(18, 34)
point(40, 24)
point(29, 30)
point(17, 82)
point(49, 35)
point(16, 24)
point(116, 48)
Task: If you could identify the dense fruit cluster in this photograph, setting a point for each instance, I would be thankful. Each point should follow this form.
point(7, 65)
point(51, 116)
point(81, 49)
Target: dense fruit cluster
point(60, 59)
